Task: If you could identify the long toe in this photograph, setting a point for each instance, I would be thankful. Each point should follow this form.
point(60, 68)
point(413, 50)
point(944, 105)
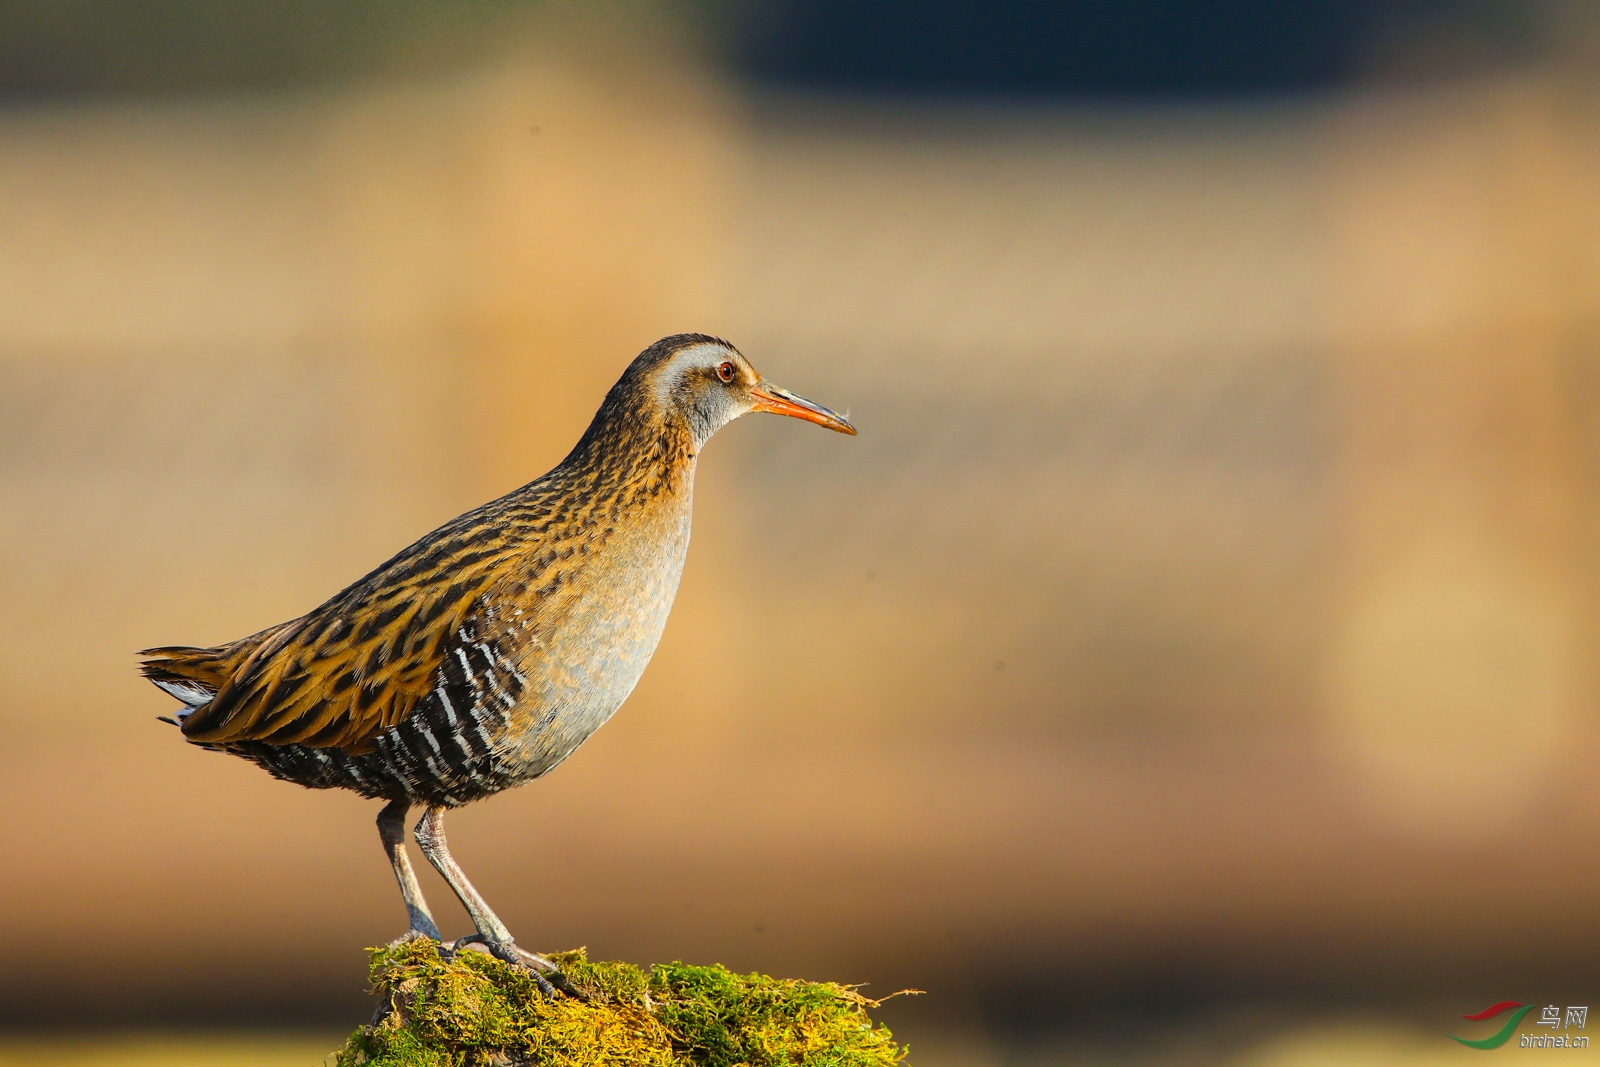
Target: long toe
point(544, 970)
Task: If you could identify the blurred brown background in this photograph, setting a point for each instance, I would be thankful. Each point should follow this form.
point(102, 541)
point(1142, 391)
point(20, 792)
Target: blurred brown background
point(1191, 661)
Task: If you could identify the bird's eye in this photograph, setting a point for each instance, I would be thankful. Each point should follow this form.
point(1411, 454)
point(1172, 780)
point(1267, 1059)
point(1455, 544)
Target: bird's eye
point(725, 372)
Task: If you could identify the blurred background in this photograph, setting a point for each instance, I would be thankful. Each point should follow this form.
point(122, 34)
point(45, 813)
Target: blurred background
point(1192, 661)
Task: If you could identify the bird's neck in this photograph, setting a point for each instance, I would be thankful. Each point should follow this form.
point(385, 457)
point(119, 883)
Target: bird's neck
point(632, 447)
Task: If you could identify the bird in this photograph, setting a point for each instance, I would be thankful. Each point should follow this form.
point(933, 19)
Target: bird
point(482, 655)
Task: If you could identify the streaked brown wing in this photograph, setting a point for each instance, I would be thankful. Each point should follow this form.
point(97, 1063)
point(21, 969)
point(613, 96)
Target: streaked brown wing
point(354, 667)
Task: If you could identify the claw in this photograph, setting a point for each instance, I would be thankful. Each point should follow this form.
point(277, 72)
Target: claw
point(545, 973)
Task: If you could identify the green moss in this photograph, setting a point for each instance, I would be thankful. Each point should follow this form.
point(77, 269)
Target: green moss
point(474, 1011)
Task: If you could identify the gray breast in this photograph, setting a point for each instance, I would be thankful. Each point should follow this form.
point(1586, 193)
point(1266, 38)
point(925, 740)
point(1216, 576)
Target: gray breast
point(589, 662)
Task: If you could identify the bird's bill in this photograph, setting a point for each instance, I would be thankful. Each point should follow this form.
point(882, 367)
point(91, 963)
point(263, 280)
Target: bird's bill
point(769, 397)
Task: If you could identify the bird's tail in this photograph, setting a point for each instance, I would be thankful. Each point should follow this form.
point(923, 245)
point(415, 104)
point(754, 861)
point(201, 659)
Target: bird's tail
point(196, 675)
point(192, 675)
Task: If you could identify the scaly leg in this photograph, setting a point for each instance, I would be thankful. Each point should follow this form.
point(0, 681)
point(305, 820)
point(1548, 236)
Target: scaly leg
point(429, 833)
point(392, 828)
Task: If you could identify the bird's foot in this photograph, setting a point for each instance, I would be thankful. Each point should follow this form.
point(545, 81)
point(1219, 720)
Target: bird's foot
point(413, 934)
point(544, 971)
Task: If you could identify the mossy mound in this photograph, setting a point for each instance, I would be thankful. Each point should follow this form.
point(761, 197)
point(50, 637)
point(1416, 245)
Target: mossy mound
point(474, 1011)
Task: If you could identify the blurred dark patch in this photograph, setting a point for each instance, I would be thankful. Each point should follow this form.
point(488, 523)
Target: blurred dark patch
point(1119, 48)
point(1218, 995)
point(1096, 48)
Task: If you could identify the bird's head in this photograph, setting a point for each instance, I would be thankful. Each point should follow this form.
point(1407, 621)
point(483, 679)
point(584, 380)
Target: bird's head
point(708, 383)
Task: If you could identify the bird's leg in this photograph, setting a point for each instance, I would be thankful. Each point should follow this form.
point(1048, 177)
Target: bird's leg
point(392, 828)
point(492, 932)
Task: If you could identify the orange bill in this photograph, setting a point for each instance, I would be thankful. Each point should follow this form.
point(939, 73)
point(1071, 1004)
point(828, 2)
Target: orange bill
point(769, 397)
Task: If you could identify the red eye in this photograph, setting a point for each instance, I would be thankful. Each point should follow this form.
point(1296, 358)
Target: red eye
point(725, 372)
